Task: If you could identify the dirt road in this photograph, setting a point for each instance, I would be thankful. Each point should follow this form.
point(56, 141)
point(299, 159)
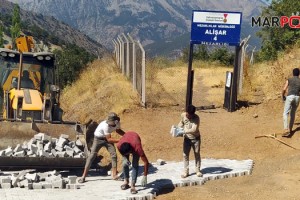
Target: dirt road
point(276, 172)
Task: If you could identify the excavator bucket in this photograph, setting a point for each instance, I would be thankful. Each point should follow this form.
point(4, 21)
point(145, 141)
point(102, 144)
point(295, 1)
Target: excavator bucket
point(14, 134)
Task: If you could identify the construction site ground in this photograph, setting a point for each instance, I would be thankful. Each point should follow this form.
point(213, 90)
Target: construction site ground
point(225, 135)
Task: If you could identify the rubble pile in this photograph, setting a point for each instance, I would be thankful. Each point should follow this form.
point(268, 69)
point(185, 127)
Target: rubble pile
point(42, 145)
point(39, 180)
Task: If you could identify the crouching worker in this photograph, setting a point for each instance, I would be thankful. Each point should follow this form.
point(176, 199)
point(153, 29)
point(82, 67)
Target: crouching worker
point(130, 143)
point(102, 138)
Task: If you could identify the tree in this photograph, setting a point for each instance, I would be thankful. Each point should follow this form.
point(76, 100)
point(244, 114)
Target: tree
point(70, 62)
point(15, 29)
point(222, 55)
point(275, 39)
point(201, 53)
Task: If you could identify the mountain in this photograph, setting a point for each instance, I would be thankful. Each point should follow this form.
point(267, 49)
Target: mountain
point(52, 26)
point(151, 22)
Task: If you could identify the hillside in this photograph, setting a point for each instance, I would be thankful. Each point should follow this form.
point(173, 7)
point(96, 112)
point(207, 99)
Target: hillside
point(58, 29)
point(151, 22)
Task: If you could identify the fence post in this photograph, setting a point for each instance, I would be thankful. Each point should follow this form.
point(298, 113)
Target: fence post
point(120, 52)
point(143, 74)
point(133, 62)
point(127, 55)
point(122, 55)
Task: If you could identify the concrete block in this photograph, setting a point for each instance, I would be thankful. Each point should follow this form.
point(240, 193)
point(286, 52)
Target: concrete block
point(43, 153)
point(38, 136)
point(80, 155)
point(78, 143)
point(58, 148)
point(72, 186)
point(43, 176)
point(24, 146)
point(5, 185)
point(18, 148)
point(19, 154)
point(40, 145)
point(33, 148)
point(71, 144)
point(8, 151)
point(33, 177)
point(37, 186)
point(53, 152)
point(46, 185)
point(70, 153)
point(72, 179)
point(61, 142)
point(46, 138)
point(14, 180)
point(76, 150)
point(30, 185)
point(23, 183)
point(61, 154)
point(6, 180)
point(53, 178)
point(48, 147)
point(29, 153)
point(54, 173)
point(60, 184)
point(2, 153)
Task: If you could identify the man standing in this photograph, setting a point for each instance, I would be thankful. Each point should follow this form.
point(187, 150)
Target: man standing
point(190, 123)
point(291, 101)
point(102, 138)
point(130, 143)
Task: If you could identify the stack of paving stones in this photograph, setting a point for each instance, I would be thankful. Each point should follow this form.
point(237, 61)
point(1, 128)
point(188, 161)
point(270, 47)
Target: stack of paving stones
point(39, 180)
point(45, 146)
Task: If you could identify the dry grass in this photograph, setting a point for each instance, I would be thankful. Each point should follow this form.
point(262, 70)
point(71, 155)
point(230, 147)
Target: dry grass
point(101, 88)
point(268, 78)
point(166, 82)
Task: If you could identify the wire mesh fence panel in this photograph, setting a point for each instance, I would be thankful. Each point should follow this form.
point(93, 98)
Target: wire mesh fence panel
point(166, 83)
point(162, 83)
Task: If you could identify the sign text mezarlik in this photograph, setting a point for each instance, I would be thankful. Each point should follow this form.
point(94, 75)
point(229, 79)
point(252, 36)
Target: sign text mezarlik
point(216, 27)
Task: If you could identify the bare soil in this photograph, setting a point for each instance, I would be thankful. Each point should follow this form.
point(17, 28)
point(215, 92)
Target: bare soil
point(227, 135)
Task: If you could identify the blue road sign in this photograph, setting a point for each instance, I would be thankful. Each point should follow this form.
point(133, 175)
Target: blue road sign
point(216, 27)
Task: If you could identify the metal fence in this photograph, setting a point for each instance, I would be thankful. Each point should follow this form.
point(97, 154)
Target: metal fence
point(131, 59)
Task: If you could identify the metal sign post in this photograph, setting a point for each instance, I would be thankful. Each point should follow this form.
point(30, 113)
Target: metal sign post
point(215, 28)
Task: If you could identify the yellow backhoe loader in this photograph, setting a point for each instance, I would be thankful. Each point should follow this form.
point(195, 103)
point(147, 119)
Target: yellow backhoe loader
point(29, 99)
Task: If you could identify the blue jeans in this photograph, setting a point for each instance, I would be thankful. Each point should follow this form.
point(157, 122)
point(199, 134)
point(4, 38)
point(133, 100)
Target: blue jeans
point(135, 167)
point(290, 106)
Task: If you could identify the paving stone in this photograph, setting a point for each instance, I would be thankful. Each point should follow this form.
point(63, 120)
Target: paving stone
point(72, 179)
point(46, 185)
point(72, 186)
point(6, 185)
point(159, 177)
point(37, 186)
